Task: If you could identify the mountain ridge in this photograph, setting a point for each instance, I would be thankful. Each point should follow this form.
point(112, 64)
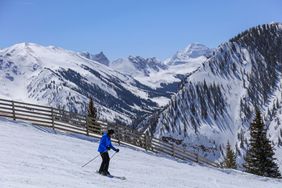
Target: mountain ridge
point(216, 102)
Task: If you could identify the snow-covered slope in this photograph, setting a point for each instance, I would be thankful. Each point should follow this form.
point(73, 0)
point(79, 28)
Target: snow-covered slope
point(216, 103)
point(37, 157)
point(64, 79)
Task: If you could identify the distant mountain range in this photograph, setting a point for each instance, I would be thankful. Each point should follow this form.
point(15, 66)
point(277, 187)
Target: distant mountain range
point(65, 79)
point(166, 76)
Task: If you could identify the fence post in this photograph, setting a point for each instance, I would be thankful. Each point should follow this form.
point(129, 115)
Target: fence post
point(118, 136)
point(147, 141)
point(14, 111)
point(173, 150)
point(133, 138)
point(52, 115)
point(197, 157)
point(87, 124)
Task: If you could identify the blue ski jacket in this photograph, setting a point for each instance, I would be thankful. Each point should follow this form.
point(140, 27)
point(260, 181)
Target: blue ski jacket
point(105, 143)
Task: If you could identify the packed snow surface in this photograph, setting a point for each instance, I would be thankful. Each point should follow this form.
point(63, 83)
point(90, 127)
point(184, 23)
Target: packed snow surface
point(37, 157)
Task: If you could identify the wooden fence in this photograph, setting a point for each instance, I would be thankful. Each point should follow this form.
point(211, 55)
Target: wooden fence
point(77, 123)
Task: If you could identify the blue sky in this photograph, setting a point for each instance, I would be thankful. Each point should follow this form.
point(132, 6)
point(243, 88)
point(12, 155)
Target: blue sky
point(131, 27)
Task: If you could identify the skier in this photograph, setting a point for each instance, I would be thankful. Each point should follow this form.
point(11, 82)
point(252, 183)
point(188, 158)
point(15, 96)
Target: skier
point(104, 146)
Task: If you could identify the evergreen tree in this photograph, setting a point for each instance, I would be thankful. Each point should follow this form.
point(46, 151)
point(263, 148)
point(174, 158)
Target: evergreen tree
point(92, 111)
point(230, 159)
point(259, 158)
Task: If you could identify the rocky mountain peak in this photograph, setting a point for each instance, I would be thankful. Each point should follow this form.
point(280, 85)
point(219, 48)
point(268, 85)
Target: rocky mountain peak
point(100, 57)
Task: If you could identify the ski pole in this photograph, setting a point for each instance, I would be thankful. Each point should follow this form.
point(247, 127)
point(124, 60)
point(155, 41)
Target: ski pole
point(90, 161)
point(113, 155)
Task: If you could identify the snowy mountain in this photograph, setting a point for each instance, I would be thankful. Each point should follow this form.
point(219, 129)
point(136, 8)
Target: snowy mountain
point(192, 51)
point(138, 66)
point(216, 103)
point(64, 79)
point(100, 57)
point(38, 157)
point(164, 77)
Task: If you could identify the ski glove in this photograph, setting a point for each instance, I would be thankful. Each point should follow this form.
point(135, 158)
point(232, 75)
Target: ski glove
point(108, 148)
point(117, 150)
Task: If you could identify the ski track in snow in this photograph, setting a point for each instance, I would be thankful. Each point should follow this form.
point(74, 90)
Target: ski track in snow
point(37, 157)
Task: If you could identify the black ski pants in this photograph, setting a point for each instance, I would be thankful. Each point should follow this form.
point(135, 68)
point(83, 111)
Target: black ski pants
point(105, 162)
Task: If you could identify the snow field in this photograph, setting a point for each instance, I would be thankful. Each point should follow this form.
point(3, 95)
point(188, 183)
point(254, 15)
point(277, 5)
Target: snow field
point(37, 157)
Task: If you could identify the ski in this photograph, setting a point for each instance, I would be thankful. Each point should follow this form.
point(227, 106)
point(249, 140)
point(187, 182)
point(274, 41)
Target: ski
point(112, 176)
point(118, 177)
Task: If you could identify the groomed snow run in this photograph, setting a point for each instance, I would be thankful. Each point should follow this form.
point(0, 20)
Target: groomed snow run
point(35, 157)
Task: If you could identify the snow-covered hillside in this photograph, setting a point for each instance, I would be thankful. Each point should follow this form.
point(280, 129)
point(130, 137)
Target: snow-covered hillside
point(37, 157)
point(217, 102)
point(61, 78)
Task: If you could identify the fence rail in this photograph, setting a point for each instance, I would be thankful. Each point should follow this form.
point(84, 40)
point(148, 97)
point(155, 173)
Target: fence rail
point(77, 123)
